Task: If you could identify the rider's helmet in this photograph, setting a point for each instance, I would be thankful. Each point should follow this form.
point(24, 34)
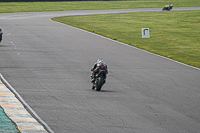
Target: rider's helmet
point(100, 62)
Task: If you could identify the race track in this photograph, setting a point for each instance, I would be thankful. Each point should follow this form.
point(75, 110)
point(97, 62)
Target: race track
point(48, 64)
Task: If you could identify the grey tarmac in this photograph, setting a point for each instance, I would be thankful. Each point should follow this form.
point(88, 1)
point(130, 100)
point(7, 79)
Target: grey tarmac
point(48, 64)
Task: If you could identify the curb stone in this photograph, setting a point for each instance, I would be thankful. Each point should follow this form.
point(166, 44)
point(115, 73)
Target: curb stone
point(15, 111)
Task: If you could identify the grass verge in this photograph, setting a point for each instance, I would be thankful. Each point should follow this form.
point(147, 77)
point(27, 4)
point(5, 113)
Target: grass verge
point(85, 5)
point(173, 34)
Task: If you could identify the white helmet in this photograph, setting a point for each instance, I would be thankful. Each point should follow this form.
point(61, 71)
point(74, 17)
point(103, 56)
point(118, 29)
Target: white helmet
point(100, 62)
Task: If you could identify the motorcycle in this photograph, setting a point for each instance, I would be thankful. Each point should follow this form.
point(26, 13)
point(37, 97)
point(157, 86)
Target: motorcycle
point(99, 81)
point(1, 33)
point(167, 7)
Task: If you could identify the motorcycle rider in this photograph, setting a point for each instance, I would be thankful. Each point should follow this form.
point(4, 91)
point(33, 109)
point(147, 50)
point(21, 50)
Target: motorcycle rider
point(1, 33)
point(99, 65)
point(168, 7)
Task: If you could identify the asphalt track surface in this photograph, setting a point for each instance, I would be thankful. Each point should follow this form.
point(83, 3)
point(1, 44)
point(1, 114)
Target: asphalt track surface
point(48, 64)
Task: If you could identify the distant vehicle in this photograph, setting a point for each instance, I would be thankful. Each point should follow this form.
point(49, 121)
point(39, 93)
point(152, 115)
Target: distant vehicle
point(167, 7)
point(1, 33)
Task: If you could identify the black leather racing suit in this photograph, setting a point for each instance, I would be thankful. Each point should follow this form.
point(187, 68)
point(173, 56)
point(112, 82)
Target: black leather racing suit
point(96, 69)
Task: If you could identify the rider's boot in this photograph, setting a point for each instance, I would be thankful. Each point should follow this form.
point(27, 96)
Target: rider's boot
point(92, 81)
point(93, 77)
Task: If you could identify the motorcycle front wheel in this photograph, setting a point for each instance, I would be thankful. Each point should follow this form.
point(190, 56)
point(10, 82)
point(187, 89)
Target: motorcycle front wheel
point(99, 84)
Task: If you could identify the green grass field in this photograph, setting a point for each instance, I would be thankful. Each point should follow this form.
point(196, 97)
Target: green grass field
point(173, 34)
point(84, 5)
